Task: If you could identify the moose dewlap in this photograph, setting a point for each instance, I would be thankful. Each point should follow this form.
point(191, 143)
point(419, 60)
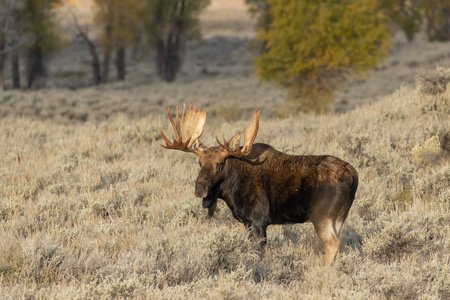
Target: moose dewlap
point(263, 186)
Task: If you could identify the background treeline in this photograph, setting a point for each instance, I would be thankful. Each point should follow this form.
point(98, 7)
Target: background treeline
point(29, 28)
point(309, 47)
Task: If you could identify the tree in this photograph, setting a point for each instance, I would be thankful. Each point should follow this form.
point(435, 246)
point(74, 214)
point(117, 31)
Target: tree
point(169, 24)
point(105, 18)
point(4, 20)
point(409, 15)
point(120, 23)
point(41, 30)
point(95, 59)
point(313, 45)
point(437, 16)
point(259, 9)
point(26, 25)
point(14, 9)
point(406, 14)
point(2, 58)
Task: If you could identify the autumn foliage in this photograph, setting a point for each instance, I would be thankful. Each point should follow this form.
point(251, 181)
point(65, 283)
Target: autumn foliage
point(312, 46)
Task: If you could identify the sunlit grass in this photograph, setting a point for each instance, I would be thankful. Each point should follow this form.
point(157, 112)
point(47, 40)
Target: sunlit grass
point(98, 209)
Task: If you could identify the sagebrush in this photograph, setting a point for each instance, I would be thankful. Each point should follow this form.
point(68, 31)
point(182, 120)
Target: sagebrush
point(98, 209)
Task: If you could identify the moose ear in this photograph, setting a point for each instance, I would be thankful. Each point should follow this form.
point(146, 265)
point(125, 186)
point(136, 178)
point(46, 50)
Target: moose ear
point(198, 145)
point(234, 142)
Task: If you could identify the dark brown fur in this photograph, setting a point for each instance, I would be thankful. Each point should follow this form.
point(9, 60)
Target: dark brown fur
point(270, 187)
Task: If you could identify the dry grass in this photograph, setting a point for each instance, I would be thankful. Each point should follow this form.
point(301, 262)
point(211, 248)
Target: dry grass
point(98, 209)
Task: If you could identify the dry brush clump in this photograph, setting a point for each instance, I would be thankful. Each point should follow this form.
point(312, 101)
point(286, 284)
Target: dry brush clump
point(98, 209)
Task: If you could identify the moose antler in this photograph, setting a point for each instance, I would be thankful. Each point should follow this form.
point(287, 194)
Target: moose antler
point(187, 130)
point(249, 137)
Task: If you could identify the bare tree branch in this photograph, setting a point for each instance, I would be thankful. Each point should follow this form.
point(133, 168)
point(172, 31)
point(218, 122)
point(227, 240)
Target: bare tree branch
point(10, 48)
point(92, 49)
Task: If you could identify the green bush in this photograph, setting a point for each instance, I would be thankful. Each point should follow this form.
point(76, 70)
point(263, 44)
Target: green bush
point(312, 46)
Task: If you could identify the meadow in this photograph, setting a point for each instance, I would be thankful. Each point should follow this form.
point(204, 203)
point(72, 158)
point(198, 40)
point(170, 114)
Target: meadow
point(91, 207)
point(95, 208)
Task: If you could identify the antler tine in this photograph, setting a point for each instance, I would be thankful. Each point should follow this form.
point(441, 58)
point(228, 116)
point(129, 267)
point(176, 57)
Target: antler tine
point(174, 125)
point(251, 130)
point(184, 111)
point(176, 144)
point(165, 139)
point(178, 123)
point(224, 145)
point(236, 153)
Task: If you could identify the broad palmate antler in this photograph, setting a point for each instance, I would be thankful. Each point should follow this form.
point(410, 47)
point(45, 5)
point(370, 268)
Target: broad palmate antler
point(249, 138)
point(187, 130)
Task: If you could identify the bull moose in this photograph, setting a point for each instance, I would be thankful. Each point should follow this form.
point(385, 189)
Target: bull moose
point(263, 186)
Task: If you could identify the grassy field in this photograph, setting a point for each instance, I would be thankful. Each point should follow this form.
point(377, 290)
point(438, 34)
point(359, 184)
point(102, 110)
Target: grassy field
point(91, 207)
point(95, 208)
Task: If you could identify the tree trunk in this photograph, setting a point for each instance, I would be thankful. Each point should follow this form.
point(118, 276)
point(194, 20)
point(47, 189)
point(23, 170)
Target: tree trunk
point(1, 75)
point(35, 66)
point(160, 53)
point(138, 45)
point(2, 59)
point(15, 66)
point(95, 60)
point(15, 51)
point(106, 60)
point(107, 54)
point(121, 63)
point(167, 60)
point(446, 13)
point(172, 58)
point(168, 51)
point(266, 20)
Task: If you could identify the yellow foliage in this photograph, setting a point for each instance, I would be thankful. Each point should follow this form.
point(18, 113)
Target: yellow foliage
point(312, 45)
point(120, 17)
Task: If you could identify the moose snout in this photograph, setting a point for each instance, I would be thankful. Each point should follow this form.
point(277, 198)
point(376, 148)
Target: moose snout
point(201, 188)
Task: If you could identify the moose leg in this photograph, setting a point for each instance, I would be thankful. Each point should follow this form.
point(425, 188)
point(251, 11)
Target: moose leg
point(327, 233)
point(211, 210)
point(259, 234)
point(338, 226)
point(341, 217)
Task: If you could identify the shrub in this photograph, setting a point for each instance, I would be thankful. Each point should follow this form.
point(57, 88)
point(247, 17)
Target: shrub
point(433, 187)
point(227, 249)
point(401, 199)
point(45, 262)
point(429, 153)
point(390, 244)
point(12, 263)
point(433, 81)
point(311, 46)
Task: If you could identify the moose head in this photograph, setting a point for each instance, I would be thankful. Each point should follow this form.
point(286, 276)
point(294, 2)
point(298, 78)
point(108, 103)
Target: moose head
point(188, 130)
